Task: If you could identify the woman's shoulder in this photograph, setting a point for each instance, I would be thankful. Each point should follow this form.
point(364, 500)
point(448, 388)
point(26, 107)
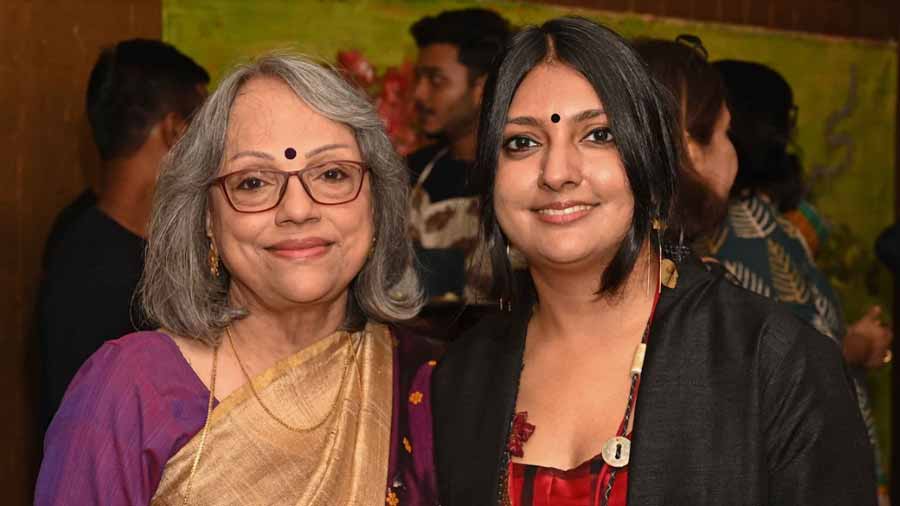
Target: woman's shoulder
point(144, 355)
point(742, 317)
point(142, 366)
point(129, 408)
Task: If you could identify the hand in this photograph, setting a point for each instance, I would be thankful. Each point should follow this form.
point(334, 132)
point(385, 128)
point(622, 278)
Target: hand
point(868, 341)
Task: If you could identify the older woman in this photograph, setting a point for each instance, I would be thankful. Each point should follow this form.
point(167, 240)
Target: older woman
point(620, 375)
point(277, 261)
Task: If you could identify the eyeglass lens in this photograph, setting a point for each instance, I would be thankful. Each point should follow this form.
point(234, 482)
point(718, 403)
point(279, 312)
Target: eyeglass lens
point(329, 183)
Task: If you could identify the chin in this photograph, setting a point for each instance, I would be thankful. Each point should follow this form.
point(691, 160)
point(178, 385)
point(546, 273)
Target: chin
point(309, 289)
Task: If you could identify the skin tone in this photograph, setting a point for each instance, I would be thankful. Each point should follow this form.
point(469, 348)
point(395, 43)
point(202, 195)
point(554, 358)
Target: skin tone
point(446, 100)
point(290, 266)
point(562, 198)
point(128, 182)
point(716, 162)
point(868, 340)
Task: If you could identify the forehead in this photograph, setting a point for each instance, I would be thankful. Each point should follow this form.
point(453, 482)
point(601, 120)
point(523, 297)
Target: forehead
point(554, 88)
point(268, 115)
point(440, 55)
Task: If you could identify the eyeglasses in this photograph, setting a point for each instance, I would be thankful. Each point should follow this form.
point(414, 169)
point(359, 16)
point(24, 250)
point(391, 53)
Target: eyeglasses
point(258, 190)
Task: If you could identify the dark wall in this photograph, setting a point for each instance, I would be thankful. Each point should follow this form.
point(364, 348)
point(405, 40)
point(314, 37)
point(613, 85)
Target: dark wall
point(879, 19)
point(46, 158)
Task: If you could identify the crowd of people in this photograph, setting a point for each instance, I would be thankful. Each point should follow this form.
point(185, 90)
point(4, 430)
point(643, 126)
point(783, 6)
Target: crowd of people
point(235, 316)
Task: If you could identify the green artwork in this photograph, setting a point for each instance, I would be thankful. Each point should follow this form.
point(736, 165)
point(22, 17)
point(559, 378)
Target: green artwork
point(845, 90)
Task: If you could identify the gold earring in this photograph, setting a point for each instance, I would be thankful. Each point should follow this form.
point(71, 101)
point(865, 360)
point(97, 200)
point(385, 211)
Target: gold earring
point(213, 259)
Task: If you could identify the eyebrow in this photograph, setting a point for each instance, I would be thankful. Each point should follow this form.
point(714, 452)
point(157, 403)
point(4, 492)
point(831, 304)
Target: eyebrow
point(321, 149)
point(581, 116)
point(309, 154)
point(257, 154)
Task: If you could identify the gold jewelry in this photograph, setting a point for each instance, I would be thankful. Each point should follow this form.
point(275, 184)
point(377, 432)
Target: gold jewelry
point(351, 358)
point(888, 356)
point(209, 406)
point(213, 259)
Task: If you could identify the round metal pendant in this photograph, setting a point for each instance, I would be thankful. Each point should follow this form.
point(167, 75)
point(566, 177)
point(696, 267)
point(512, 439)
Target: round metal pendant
point(617, 451)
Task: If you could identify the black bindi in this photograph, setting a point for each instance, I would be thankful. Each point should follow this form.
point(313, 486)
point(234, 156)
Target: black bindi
point(290, 153)
point(554, 118)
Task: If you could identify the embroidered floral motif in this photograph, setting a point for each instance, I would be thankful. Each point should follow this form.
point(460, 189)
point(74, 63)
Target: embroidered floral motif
point(392, 499)
point(407, 445)
point(520, 433)
point(415, 398)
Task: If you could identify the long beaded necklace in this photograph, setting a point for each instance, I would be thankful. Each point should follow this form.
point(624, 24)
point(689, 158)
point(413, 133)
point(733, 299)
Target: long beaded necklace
point(616, 451)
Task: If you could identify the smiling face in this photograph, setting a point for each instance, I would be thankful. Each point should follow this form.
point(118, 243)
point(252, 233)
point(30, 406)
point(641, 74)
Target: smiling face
point(561, 193)
point(299, 252)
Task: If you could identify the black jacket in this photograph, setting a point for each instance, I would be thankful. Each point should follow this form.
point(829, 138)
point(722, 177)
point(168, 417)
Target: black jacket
point(740, 403)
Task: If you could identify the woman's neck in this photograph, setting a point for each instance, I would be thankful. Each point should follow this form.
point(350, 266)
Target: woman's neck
point(570, 308)
point(271, 334)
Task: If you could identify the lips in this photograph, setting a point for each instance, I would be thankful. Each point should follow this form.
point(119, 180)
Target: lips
point(309, 247)
point(563, 212)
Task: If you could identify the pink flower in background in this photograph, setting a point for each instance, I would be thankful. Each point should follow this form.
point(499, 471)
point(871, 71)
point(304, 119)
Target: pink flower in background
point(392, 93)
point(356, 67)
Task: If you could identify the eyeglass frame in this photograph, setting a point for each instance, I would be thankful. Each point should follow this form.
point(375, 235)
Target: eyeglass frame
point(220, 182)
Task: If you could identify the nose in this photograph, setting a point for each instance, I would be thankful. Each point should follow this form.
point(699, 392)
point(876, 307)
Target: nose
point(561, 168)
point(296, 205)
point(420, 89)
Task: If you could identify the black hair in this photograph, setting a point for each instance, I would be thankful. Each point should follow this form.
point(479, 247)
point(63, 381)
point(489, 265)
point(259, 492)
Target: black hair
point(763, 117)
point(480, 35)
point(681, 66)
point(641, 118)
point(133, 86)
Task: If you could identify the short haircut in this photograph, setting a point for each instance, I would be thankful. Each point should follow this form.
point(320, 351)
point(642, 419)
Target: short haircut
point(695, 85)
point(480, 35)
point(178, 291)
point(641, 119)
point(763, 118)
point(133, 85)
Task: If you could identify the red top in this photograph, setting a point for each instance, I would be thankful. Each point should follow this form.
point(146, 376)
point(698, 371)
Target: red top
point(583, 486)
point(531, 485)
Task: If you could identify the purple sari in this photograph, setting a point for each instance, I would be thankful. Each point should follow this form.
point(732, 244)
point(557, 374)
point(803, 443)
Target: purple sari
point(136, 402)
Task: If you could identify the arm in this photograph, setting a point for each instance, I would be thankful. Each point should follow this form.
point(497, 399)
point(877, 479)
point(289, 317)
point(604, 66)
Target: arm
point(816, 447)
point(99, 448)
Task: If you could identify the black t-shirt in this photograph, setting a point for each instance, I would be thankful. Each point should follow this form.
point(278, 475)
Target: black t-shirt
point(85, 298)
point(449, 176)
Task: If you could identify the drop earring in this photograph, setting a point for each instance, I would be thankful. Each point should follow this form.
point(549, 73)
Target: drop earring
point(213, 259)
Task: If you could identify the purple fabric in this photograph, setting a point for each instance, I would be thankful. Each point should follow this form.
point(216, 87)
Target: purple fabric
point(136, 402)
point(132, 405)
point(412, 479)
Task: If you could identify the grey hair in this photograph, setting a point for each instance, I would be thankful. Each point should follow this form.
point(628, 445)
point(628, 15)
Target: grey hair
point(177, 289)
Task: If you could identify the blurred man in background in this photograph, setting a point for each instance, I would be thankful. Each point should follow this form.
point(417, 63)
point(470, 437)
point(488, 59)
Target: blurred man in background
point(456, 51)
point(140, 97)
